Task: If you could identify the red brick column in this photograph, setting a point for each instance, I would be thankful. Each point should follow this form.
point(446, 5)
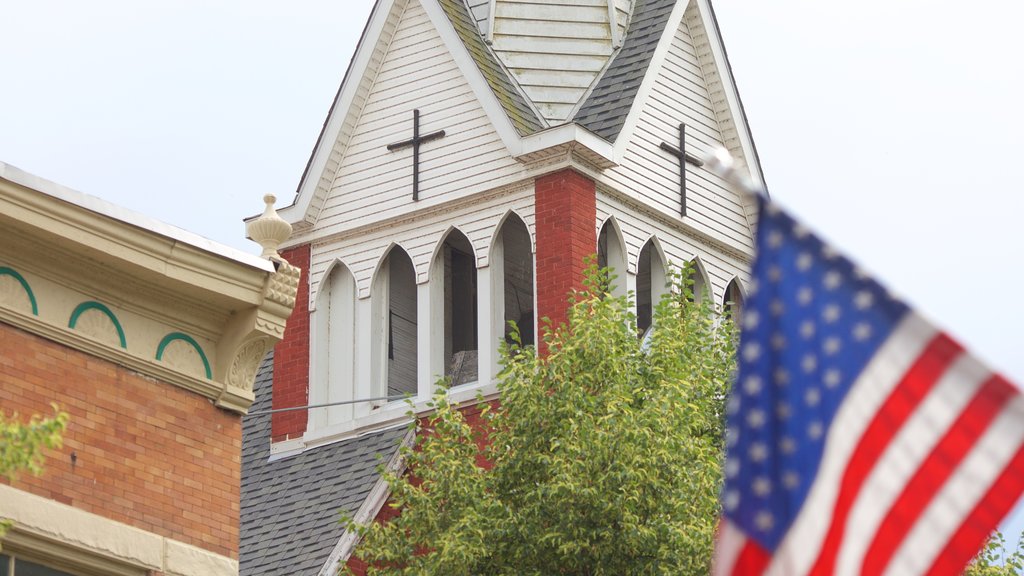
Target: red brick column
point(566, 215)
point(291, 358)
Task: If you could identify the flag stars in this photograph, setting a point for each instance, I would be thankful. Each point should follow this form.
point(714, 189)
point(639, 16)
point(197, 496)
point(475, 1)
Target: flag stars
point(774, 273)
point(812, 397)
point(774, 239)
point(762, 486)
point(781, 376)
point(764, 521)
point(815, 430)
point(778, 341)
point(731, 500)
point(752, 384)
point(807, 329)
point(861, 331)
point(758, 451)
point(804, 295)
point(863, 300)
point(787, 445)
point(832, 345)
point(832, 378)
point(751, 351)
point(782, 411)
point(756, 418)
point(751, 319)
point(832, 280)
point(732, 467)
point(733, 405)
point(831, 313)
point(777, 308)
point(791, 480)
point(804, 261)
point(809, 363)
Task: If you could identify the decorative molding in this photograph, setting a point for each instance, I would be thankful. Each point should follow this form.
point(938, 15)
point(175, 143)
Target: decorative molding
point(97, 546)
point(8, 290)
point(247, 362)
point(93, 325)
point(184, 356)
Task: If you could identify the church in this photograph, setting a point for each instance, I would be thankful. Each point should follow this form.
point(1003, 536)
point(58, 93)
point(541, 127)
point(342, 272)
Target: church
point(476, 152)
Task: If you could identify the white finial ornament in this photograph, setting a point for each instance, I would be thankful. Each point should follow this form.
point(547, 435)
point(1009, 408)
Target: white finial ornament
point(269, 230)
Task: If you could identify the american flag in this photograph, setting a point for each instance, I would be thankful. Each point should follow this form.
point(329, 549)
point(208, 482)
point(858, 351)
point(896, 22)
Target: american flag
point(860, 439)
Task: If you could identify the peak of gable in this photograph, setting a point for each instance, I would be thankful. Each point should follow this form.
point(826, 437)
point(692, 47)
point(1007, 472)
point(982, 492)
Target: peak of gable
point(554, 49)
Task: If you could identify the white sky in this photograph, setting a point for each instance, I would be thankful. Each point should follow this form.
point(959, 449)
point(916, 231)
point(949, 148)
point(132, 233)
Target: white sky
point(892, 127)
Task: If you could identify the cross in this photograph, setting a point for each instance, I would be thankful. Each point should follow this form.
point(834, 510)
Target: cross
point(683, 157)
point(415, 143)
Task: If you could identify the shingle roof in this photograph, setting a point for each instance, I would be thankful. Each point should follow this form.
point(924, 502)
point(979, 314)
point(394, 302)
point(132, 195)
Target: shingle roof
point(606, 108)
point(514, 103)
point(290, 507)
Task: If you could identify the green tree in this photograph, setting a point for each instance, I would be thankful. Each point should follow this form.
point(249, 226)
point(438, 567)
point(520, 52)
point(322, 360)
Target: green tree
point(22, 445)
point(602, 457)
point(995, 560)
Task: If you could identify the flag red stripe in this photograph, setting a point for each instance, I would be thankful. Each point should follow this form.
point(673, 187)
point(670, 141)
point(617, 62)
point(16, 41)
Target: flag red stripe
point(905, 397)
point(753, 559)
point(944, 458)
point(984, 518)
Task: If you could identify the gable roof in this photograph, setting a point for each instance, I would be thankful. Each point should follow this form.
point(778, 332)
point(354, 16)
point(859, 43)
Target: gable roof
point(291, 507)
point(604, 111)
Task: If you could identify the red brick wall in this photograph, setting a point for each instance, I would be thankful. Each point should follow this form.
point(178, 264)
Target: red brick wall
point(149, 454)
point(291, 358)
point(566, 214)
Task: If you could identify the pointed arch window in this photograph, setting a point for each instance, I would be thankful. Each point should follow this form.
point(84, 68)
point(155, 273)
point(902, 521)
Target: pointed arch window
point(699, 281)
point(455, 271)
point(334, 338)
point(611, 253)
point(513, 279)
point(650, 284)
point(732, 302)
point(396, 325)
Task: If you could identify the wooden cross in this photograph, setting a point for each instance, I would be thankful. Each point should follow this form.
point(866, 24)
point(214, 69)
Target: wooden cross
point(684, 158)
point(415, 143)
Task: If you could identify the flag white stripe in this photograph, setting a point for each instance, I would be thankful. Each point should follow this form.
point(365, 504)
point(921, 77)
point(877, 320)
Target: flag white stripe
point(727, 549)
point(908, 450)
point(961, 493)
point(799, 549)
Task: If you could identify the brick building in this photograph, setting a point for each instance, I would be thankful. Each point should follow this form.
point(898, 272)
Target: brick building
point(476, 152)
point(150, 338)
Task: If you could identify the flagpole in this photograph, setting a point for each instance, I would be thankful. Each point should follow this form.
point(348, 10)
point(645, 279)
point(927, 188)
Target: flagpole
point(720, 162)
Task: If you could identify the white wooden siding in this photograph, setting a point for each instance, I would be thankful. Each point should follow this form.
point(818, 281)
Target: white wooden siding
point(555, 48)
point(480, 11)
point(374, 184)
point(420, 238)
point(678, 247)
point(650, 175)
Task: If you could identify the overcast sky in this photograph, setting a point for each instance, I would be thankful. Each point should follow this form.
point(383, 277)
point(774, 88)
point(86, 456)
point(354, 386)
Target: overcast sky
point(892, 127)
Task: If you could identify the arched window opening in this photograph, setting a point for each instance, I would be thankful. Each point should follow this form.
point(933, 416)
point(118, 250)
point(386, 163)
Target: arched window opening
point(460, 309)
point(698, 283)
point(395, 315)
point(732, 302)
point(335, 345)
point(516, 277)
point(650, 285)
point(611, 254)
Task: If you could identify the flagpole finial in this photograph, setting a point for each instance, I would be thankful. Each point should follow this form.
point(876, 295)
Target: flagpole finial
point(720, 162)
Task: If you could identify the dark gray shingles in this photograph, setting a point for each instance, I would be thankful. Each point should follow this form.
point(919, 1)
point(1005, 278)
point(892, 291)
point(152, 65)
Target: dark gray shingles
point(606, 108)
point(290, 508)
point(515, 105)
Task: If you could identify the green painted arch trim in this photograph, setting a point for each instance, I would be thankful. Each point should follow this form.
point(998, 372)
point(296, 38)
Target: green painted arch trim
point(94, 305)
point(191, 341)
point(5, 271)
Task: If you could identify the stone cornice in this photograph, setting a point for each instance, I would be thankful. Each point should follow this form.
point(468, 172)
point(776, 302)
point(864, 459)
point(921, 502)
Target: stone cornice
point(190, 313)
